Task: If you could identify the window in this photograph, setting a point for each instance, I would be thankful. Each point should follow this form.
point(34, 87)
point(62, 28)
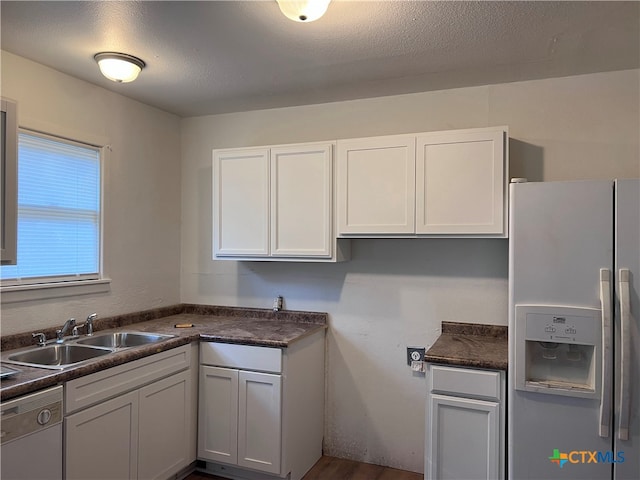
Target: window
point(58, 211)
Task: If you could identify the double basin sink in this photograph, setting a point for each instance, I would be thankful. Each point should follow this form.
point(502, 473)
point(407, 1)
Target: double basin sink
point(75, 351)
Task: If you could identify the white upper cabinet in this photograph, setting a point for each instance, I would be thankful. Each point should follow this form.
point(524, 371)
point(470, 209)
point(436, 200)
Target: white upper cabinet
point(301, 200)
point(450, 183)
point(460, 182)
point(376, 185)
point(241, 202)
point(275, 203)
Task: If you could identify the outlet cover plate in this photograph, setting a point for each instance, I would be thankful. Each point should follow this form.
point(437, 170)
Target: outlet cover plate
point(415, 354)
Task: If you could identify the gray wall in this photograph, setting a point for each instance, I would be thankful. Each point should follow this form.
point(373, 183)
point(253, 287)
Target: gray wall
point(395, 293)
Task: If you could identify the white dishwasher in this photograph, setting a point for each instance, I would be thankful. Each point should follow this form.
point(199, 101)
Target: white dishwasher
point(31, 444)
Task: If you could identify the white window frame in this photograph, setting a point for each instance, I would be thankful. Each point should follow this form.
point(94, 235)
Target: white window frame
point(39, 288)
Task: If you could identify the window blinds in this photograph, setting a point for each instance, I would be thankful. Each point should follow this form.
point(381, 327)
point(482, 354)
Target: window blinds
point(58, 211)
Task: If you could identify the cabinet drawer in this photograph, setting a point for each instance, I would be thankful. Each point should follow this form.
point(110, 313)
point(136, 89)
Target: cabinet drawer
point(243, 357)
point(97, 387)
point(465, 382)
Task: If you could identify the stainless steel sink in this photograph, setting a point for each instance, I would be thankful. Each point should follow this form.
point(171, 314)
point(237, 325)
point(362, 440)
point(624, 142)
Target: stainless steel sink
point(123, 339)
point(56, 356)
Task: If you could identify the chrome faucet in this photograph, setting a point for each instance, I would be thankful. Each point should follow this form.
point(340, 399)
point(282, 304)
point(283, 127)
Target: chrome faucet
point(89, 323)
point(40, 338)
point(65, 328)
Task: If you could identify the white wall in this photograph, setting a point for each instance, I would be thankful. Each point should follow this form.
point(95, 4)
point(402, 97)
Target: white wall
point(141, 191)
point(395, 293)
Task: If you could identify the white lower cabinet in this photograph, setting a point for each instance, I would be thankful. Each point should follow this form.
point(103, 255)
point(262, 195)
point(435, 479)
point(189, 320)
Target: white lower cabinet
point(102, 441)
point(259, 421)
point(241, 415)
point(465, 424)
point(218, 414)
point(163, 421)
point(144, 432)
point(260, 412)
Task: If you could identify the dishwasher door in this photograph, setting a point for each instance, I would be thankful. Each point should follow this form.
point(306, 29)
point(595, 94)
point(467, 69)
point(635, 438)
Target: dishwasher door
point(31, 438)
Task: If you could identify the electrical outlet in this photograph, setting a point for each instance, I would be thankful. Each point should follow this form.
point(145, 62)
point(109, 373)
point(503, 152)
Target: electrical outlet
point(415, 354)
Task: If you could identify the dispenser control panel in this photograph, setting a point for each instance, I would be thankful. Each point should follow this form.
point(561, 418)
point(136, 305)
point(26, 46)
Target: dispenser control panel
point(562, 328)
point(557, 350)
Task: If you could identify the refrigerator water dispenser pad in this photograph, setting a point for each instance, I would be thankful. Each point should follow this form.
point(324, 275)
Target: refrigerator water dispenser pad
point(558, 350)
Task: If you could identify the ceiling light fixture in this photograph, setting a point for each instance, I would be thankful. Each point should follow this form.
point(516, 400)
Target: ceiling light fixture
point(303, 10)
point(119, 67)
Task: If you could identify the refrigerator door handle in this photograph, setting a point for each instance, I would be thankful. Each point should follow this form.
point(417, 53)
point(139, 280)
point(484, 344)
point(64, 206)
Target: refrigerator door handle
point(605, 390)
point(625, 354)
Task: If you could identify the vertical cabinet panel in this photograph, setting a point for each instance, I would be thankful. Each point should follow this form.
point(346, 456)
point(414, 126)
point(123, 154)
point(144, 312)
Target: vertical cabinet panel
point(301, 200)
point(8, 182)
point(460, 183)
point(464, 438)
point(376, 185)
point(164, 421)
point(259, 421)
point(102, 441)
point(241, 202)
point(218, 414)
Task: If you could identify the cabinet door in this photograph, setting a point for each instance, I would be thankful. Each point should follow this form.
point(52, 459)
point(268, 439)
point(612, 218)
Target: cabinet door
point(376, 185)
point(164, 420)
point(461, 183)
point(218, 415)
point(301, 200)
point(102, 441)
point(260, 421)
point(463, 440)
point(241, 202)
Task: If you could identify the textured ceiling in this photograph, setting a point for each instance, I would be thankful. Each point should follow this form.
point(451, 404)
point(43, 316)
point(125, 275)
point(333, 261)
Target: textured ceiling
point(222, 56)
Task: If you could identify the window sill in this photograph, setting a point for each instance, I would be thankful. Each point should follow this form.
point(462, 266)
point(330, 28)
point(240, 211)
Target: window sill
point(44, 291)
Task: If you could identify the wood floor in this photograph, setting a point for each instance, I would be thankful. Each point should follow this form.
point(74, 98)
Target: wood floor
point(330, 468)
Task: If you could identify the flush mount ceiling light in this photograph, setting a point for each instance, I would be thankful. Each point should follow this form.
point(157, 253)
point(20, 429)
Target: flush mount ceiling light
point(303, 10)
point(119, 67)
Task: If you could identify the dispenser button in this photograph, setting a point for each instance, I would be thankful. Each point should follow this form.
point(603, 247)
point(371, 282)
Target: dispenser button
point(570, 331)
point(549, 329)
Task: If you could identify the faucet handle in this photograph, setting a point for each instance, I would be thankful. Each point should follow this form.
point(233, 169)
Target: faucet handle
point(89, 323)
point(41, 338)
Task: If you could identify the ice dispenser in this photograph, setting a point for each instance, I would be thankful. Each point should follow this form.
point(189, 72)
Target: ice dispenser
point(558, 350)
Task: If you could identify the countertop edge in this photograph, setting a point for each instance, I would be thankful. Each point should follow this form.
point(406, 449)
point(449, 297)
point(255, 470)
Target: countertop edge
point(471, 345)
point(488, 365)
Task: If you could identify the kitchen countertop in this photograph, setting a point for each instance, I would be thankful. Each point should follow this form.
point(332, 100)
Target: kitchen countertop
point(210, 323)
point(471, 345)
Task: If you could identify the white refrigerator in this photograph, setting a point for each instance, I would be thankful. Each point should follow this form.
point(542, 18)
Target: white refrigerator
point(574, 330)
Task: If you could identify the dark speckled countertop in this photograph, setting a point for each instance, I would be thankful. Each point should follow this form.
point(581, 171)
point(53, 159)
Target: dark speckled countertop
point(471, 345)
point(210, 323)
